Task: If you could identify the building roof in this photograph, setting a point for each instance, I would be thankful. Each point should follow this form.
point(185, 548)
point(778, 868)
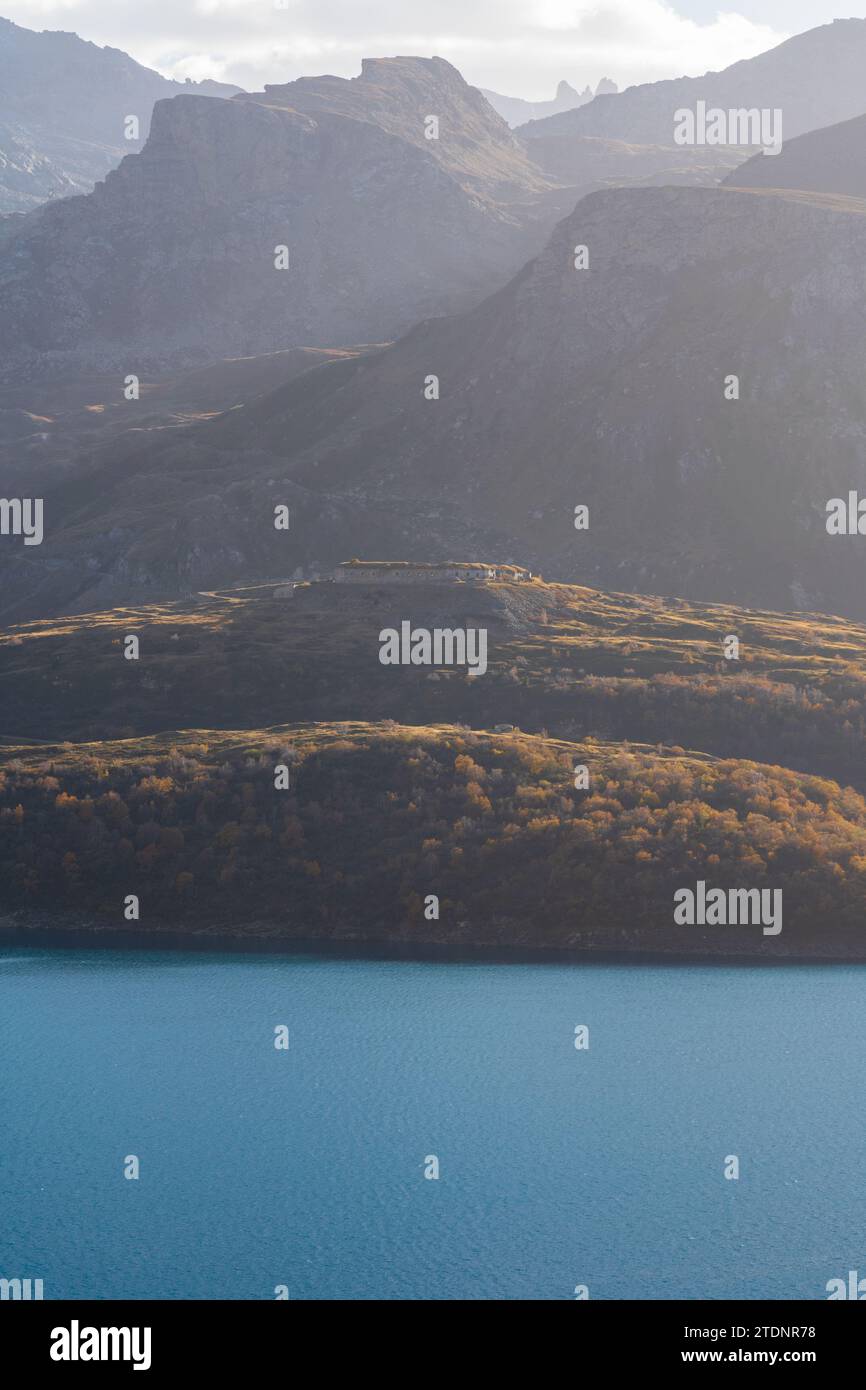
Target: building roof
point(431, 566)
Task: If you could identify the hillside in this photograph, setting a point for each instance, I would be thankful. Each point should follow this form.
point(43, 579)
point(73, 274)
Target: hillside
point(831, 160)
point(564, 659)
point(63, 104)
point(591, 162)
point(814, 78)
point(376, 819)
point(48, 427)
point(257, 775)
point(602, 387)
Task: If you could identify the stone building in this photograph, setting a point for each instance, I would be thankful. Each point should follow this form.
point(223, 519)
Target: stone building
point(412, 572)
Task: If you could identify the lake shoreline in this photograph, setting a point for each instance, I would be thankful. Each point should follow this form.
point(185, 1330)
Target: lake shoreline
point(22, 929)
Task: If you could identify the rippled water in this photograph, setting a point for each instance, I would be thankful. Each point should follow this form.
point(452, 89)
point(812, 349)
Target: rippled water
point(305, 1167)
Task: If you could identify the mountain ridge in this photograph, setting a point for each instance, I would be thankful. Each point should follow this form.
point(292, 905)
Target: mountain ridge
point(791, 76)
point(63, 106)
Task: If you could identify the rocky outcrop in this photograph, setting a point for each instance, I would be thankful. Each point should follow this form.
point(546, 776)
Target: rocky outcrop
point(173, 259)
point(400, 95)
point(517, 111)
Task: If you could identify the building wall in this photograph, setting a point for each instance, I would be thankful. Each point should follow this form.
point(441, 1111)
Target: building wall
point(361, 575)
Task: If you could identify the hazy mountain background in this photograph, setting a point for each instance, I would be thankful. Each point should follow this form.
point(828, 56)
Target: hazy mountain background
point(170, 261)
point(63, 103)
point(602, 387)
point(558, 387)
point(816, 79)
point(517, 110)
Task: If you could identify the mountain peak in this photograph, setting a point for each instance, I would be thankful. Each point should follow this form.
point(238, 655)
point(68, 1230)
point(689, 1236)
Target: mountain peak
point(401, 95)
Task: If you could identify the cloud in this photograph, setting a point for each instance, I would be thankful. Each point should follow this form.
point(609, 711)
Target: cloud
point(518, 46)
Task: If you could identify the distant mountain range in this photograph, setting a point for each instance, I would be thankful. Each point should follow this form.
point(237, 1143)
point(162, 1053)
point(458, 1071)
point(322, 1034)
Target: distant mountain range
point(602, 387)
point(517, 111)
point(598, 375)
point(63, 105)
point(175, 258)
point(397, 195)
point(815, 79)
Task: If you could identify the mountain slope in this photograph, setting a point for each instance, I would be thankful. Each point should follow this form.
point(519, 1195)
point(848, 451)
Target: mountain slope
point(490, 825)
point(815, 78)
point(471, 143)
point(830, 160)
point(602, 387)
point(172, 260)
point(203, 825)
point(63, 105)
point(571, 660)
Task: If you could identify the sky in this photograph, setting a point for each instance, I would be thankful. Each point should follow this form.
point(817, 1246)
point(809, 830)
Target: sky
point(517, 47)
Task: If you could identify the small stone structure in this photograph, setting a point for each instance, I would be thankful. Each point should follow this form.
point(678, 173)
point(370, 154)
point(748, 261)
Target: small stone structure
point(411, 572)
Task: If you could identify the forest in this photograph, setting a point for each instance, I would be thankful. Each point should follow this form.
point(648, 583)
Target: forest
point(347, 831)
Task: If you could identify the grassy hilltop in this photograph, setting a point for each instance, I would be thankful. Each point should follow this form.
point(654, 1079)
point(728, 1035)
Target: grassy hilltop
point(565, 659)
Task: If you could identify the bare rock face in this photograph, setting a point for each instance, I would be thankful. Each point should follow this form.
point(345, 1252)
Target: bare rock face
point(401, 95)
point(792, 77)
point(604, 387)
point(63, 107)
point(173, 259)
point(517, 111)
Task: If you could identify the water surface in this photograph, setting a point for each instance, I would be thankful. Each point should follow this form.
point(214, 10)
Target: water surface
point(305, 1167)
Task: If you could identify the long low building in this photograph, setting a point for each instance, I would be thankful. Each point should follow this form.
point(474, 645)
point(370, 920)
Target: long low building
point(414, 572)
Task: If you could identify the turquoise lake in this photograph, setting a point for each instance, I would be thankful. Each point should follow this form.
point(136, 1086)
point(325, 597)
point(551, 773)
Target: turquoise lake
point(306, 1167)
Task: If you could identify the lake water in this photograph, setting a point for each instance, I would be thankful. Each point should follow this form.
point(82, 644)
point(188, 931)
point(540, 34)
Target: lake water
point(305, 1167)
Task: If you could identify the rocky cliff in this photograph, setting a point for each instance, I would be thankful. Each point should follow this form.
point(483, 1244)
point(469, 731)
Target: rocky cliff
point(172, 260)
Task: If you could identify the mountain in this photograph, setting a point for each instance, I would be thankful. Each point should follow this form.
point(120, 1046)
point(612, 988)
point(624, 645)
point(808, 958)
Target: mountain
point(399, 95)
point(830, 160)
point(517, 111)
point(602, 387)
point(231, 824)
point(173, 259)
point(815, 79)
point(63, 107)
